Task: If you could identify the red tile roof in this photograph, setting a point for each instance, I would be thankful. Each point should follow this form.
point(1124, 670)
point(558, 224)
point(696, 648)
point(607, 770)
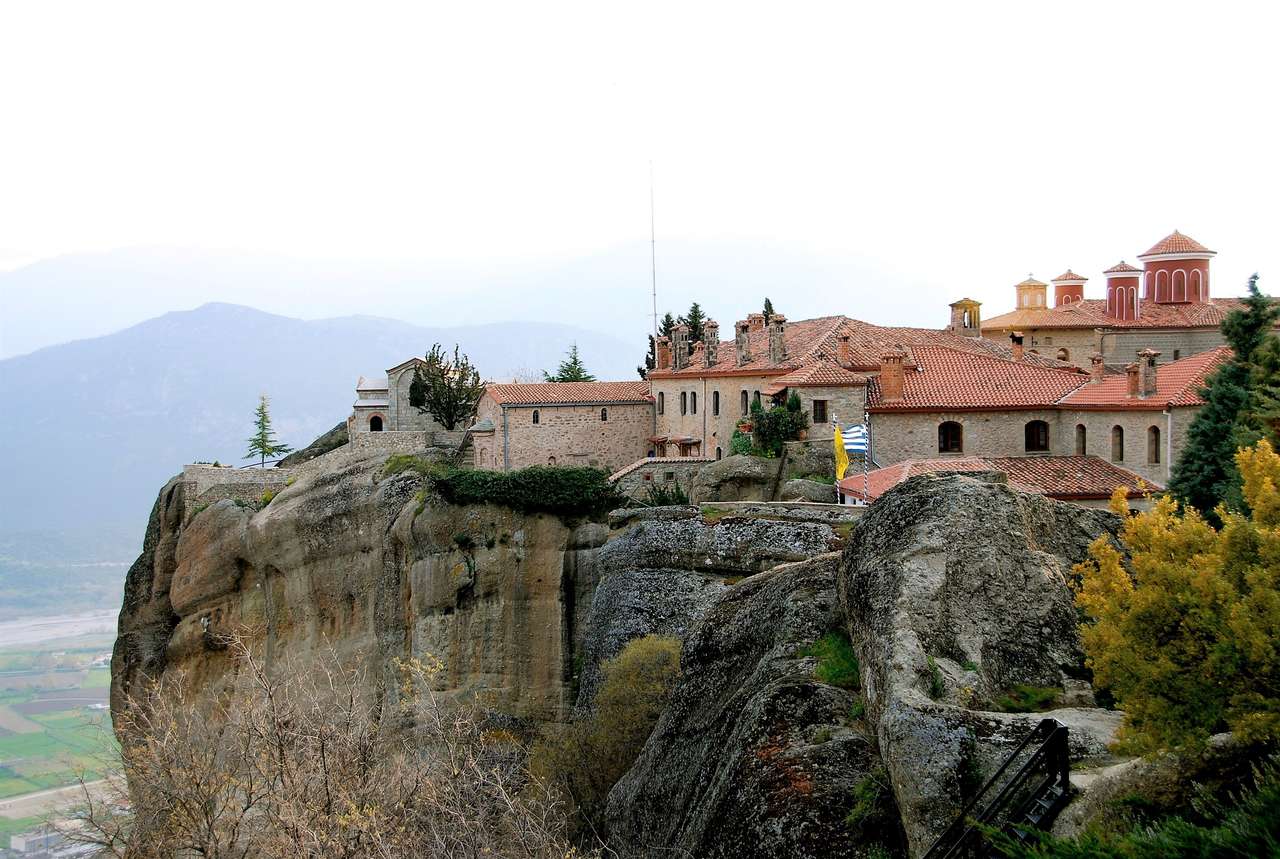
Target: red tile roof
point(1121, 266)
point(1177, 384)
point(1031, 281)
point(1092, 313)
point(951, 379)
point(821, 373)
point(1175, 243)
point(1069, 275)
point(569, 393)
point(1063, 477)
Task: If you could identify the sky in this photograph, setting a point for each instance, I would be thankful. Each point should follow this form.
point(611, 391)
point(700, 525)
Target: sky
point(951, 147)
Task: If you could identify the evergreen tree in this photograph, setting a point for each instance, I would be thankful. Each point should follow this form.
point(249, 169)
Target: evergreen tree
point(571, 369)
point(650, 359)
point(262, 443)
point(1205, 474)
point(448, 390)
point(768, 310)
point(694, 319)
point(667, 325)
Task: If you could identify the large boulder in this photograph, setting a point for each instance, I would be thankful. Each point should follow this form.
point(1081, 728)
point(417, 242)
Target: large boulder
point(737, 478)
point(808, 490)
point(752, 757)
point(957, 589)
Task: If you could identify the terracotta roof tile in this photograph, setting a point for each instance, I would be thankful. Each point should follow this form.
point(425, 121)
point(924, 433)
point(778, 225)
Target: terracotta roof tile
point(569, 393)
point(1065, 477)
point(1177, 384)
point(949, 379)
point(1122, 266)
point(1092, 313)
point(1069, 275)
point(821, 373)
point(1031, 281)
point(1175, 243)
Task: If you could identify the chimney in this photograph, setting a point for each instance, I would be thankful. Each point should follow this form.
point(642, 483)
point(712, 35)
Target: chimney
point(965, 318)
point(742, 342)
point(1147, 372)
point(755, 322)
point(1131, 371)
point(680, 336)
point(777, 345)
point(711, 341)
point(1097, 369)
point(662, 351)
point(891, 375)
point(844, 355)
point(1015, 340)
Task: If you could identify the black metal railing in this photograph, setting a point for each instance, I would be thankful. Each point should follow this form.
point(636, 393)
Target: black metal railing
point(1014, 801)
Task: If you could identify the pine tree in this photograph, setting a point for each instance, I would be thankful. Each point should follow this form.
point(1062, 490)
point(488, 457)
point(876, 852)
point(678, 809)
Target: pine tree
point(768, 310)
point(667, 325)
point(650, 359)
point(448, 390)
point(694, 319)
point(1205, 474)
point(262, 443)
point(571, 369)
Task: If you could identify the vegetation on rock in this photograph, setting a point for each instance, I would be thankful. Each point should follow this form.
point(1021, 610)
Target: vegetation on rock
point(837, 663)
point(447, 389)
point(775, 427)
point(1187, 638)
point(564, 491)
point(263, 444)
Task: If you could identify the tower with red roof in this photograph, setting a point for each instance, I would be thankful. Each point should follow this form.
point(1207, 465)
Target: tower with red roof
point(1176, 271)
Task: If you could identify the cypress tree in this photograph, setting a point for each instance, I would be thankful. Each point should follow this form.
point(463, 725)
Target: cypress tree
point(768, 310)
point(694, 319)
point(571, 369)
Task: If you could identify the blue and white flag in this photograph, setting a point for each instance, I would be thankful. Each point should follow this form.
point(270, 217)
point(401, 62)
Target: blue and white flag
point(857, 439)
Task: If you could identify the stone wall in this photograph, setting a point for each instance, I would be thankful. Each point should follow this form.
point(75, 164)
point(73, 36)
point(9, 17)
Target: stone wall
point(1122, 347)
point(570, 435)
point(205, 484)
point(634, 480)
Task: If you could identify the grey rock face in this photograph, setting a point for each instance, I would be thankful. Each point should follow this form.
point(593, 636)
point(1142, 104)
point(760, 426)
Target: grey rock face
point(966, 572)
point(753, 757)
point(737, 478)
point(808, 490)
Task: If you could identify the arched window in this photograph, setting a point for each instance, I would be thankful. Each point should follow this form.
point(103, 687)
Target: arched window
point(1153, 445)
point(950, 437)
point(1179, 285)
point(1081, 438)
point(684, 402)
point(718, 453)
point(1117, 444)
point(745, 405)
point(604, 414)
point(1064, 355)
point(1037, 436)
point(662, 403)
point(536, 416)
point(755, 398)
point(715, 402)
point(693, 403)
point(551, 460)
point(1162, 285)
point(375, 423)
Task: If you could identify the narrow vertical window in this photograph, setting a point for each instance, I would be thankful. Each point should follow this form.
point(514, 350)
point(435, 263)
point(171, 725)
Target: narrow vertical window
point(604, 414)
point(662, 403)
point(1153, 445)
point(715, 403)
point(1117, 444)
point(819, 412)
point(1081, 439)
point(684, 402)
point(693, 403)
point(535, 416)
point(745, 406)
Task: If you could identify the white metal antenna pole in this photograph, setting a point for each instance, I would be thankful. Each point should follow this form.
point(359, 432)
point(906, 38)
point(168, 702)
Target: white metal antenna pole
point(653, 254)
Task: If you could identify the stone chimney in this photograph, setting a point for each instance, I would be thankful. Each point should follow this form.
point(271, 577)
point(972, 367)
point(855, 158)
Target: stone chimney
point(662, 353)
point(777, 344)
point(844, 352)
point(755, 322)
point(1147, 372)
point(965, 318)
point(742, 342)
point(1015, 340)
point(711, 341)
point(1131, 372)
point(891, 375)
point(680, 336)
point(1097, 369)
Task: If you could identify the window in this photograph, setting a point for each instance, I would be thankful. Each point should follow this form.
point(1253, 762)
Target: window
point(1177, 353)
point(536, 416)
point(745, 406)
point(604, 414)
point(715, 402)
point(1117, 444)
point(1153, 445)
point(1037, 437)
point(693, 403)
point(551, 460)
point(755, 398)
point(1048, 341)
point(662, 403)
point(718, 453)
point(668, 476)
point(684, 402)
point(1081, 437)
point(950, 437)
point(819, 412)
point(1064, 355)
point(375, 423)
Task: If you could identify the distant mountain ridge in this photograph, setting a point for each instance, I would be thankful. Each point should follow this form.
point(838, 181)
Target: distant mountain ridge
point(91, 427)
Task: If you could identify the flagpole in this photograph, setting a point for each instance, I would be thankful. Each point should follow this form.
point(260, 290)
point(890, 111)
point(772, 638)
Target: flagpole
point(866, 455)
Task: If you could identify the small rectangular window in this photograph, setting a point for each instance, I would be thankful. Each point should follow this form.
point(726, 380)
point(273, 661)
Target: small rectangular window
point(693, 403)
point(819, 412)
point(715, 403)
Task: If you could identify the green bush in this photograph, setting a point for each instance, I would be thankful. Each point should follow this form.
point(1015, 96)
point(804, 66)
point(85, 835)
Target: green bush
point(740, 443)
point(874, 813)
point(1027, 699)
point(661, 495)
point(539, 489)
point(398, 463)
point(937, 687)
point(837, 663)
point(267, 495)
point(772, 429)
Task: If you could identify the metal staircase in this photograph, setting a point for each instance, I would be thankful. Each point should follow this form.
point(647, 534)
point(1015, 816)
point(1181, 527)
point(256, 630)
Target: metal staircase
point(1024, 795)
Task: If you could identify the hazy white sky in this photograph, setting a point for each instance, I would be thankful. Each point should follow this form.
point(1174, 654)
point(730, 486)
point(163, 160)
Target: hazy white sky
point(960, 144)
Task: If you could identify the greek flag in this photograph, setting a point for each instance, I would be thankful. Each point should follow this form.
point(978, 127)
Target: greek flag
point(857, 439)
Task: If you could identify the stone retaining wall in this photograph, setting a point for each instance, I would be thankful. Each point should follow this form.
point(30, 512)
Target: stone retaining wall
point(664, 471)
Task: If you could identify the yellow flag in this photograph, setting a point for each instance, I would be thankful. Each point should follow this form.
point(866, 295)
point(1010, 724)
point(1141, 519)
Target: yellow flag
point(842, 458)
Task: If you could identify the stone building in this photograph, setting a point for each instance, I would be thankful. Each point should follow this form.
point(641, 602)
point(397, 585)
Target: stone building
point(702, 389)
point(382, 403)
point(935, 402)
point(600, 424)
point(1165, 306)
